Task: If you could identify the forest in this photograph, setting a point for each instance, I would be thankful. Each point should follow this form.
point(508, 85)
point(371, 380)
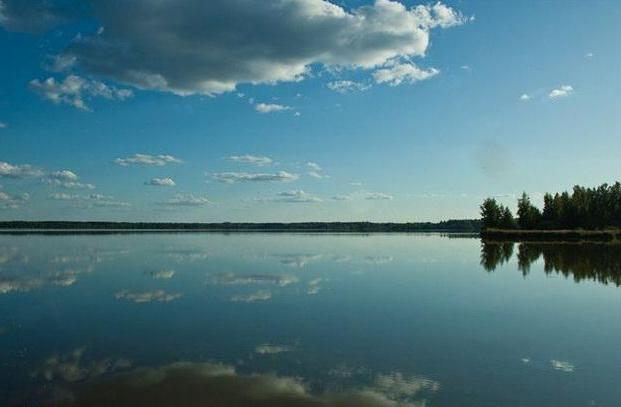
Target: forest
point(582, 208)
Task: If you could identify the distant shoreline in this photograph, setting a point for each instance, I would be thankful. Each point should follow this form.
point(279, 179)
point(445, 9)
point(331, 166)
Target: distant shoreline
point(60, 227)
point(606, 235)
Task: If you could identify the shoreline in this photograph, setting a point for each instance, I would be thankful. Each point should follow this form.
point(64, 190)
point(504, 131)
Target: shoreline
point(607, 236)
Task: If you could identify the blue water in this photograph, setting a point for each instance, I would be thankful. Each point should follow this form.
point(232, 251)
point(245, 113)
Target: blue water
point(301, 319)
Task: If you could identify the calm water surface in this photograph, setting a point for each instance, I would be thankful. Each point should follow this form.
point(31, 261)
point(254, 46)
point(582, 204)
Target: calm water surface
point(307, 320)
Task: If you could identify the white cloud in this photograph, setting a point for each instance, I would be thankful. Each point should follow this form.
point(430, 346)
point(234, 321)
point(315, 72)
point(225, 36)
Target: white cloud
point(162, 274)
point(12, 201)
point(525, 97)
point(19, 171)
point(313, 166)
point(75, 90)
point(259, 160)
point(296, 196)
point(341, 198)
point(346, 86)
point(213, 46)
point(148, 160)
point(63, 175)
point(232, 177)
point(589, 55)
point(261, 295)
point(318, 175)
point(148, 296)
point(3, 125)
point(281, 280)
point(67, 179)
point(314, 286)
point(562, 366)
point(269, 349)
point(399, 73)
point(270, 107)
point(90, 201)
point(161, 182)
point(561, 92)
point(187, 200)
point(378, 196)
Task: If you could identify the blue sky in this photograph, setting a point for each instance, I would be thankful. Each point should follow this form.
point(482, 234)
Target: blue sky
point(356, 110)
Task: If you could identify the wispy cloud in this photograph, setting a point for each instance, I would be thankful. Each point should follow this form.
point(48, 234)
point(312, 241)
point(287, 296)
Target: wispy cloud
point(561, 92)
point(295, 196)
point(261, 295)
point(378, 196)
point(346, 86)
point(161, 182)
point(233, 177)
point(186, 200)
point(90, 201)
point(148, 160)
point(13, 201)
point(148, 296)
point(75, 91)
point(525, 97)
point(259, 160)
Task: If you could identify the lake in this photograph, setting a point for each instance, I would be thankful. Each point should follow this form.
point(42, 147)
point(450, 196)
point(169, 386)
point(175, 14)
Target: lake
point(307, 320)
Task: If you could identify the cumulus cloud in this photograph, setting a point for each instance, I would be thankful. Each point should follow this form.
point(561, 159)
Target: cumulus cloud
point(19, 171)
point(399, 73)
point(270, 107)
point(75, 91)
point(259, 160)
point(187, 200)
point(233, 177)
point(161, 182)
point(561, 92)
point(261, 295)
point(148, 296)
point(214, 46)
point(346, 86)
point(67, 179)
point(148, 160)
point(13, 201)
point(378, 196)
point(525, 97)
point(315, 171)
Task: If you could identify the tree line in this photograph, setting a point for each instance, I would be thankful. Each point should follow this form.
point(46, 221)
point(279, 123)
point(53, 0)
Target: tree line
point(583, 208)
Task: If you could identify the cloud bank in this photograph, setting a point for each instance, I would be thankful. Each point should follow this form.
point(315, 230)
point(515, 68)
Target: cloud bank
point(199, 47)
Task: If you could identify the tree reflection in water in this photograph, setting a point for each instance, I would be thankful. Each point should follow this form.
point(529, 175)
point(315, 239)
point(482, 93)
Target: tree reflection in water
point(582, 261)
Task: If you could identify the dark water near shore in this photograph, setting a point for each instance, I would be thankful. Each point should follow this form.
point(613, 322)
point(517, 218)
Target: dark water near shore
point(305, 320)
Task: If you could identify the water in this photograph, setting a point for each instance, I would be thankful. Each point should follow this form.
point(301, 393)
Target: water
point(304, 320)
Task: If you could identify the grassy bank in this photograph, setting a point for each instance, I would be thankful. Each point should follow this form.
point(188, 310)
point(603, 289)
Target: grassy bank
point(578, 235)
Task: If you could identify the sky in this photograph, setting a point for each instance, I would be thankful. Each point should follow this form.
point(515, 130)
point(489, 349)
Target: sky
point(302, 110)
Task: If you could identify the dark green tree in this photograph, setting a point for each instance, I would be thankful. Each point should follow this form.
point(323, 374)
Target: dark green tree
point(490, 213)
point(529, 217)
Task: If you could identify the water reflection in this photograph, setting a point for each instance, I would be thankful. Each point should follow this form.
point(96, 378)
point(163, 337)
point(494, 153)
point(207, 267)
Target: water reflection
point(217, 384)
point(582, 261)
